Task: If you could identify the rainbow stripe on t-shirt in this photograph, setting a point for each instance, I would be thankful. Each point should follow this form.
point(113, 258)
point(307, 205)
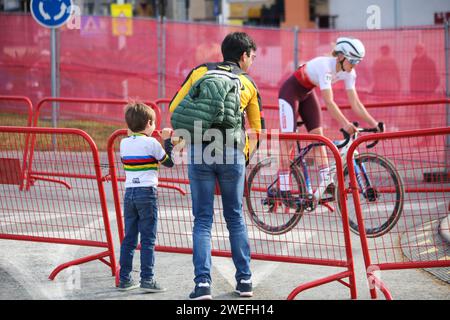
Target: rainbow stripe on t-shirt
point(140, 163)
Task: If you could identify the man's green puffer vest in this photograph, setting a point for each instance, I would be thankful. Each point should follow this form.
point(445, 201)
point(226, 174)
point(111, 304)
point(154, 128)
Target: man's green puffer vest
point(214, 102)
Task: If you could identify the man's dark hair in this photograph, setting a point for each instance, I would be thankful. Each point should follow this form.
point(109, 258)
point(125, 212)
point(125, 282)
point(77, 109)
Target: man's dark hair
point(235, 44)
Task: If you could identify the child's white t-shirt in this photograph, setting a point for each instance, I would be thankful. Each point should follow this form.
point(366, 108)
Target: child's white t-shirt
point(140, 156)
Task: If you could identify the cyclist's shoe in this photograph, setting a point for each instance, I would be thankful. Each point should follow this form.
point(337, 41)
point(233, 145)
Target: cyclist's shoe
point(289, 201)
point(328, 194)
point(371, 194)
point(330, 189)
point(311, 202)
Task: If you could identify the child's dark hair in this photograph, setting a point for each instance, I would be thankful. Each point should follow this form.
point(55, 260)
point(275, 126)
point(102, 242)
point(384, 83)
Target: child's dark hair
point(235, 44)
point(137, 115)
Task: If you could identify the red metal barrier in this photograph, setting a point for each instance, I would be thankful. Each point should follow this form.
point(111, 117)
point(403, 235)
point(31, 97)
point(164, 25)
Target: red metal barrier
point(375, 105)
point(29, 105)
point(119, 116)
point(166, 112)
point(397, 115)
point(412, 220)
point(24, 99)
point(318, 238)
point(73, 211)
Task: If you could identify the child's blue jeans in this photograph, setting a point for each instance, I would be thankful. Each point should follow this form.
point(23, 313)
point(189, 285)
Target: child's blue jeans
point(141, 216)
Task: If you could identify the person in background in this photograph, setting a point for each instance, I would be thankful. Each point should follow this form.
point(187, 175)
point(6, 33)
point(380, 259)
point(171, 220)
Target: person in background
point(386, 75)
point(424, 78)
point(423, 82)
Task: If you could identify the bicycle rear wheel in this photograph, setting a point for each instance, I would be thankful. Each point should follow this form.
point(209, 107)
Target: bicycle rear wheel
point(381, 197)
point(271, 215)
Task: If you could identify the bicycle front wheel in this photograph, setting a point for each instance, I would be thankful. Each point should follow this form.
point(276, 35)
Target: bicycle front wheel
point(381, 195)
point(270, 214)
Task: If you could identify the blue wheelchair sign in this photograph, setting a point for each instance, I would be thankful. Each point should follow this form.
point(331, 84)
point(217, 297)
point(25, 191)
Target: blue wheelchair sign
point(51, 13)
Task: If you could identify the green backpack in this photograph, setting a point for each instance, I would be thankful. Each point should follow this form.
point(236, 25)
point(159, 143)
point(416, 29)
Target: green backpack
point(214, 100)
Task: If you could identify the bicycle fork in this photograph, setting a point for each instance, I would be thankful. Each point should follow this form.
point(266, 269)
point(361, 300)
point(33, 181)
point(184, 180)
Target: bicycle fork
point(307, 203)
point(364, 182)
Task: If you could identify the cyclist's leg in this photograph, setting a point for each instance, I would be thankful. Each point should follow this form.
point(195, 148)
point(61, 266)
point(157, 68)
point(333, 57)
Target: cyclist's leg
point(311, 114)
point(321, 159)
point(288, 117)
point(287, 102)
point(320, 153)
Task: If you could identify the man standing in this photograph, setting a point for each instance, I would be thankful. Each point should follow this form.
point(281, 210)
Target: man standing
point(424, 80)
point(386, 65)
point(238, 51)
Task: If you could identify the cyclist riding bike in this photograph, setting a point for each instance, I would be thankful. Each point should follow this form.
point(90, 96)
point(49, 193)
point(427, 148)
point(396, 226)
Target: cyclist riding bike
point(297, 98)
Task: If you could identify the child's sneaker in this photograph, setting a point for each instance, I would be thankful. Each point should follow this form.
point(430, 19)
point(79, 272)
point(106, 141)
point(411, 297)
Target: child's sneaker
point(202, 291)
point(151, 286)
point(244, 288)
point(127, 285)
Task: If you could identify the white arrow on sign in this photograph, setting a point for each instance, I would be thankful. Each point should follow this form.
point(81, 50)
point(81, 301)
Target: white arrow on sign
point(61, 12)
point(42, 12)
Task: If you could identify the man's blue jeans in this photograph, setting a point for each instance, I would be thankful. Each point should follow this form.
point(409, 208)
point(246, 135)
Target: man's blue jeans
point(231, 179)
point(141, 216)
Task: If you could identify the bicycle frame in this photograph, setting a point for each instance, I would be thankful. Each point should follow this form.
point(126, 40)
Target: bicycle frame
point(300, 161)
point(302, 198)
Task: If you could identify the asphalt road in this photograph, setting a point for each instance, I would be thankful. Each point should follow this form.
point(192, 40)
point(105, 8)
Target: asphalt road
point(25, 267)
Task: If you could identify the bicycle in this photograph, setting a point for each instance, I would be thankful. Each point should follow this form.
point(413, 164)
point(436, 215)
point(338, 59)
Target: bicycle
point(373, 172)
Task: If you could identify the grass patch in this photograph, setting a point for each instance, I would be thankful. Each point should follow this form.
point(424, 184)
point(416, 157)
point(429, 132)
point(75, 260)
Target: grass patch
point(98, 130)
point(13, 119)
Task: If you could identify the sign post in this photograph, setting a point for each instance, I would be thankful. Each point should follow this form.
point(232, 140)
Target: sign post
point(52, 14)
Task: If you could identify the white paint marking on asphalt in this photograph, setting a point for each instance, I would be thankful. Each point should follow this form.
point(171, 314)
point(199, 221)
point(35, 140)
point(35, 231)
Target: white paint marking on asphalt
point(22, 274)
point(428, 241)
point(262, 270)
point(23, 270)
point(431, 250)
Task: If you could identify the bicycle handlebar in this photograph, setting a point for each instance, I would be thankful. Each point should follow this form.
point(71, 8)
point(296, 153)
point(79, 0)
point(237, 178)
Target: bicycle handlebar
point(347, 136)
point(379, 128)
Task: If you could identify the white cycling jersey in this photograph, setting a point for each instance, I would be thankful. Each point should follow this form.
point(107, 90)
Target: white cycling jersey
point(141, 156)
point(322, 72)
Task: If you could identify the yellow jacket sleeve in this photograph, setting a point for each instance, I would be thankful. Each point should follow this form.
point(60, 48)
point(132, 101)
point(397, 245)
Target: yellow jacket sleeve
point(251, 102)
point(193, 76)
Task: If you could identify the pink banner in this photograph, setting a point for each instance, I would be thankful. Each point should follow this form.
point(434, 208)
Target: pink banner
point(95, 63)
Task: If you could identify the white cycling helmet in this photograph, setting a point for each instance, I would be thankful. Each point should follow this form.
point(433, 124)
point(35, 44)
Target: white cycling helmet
point(353, 49)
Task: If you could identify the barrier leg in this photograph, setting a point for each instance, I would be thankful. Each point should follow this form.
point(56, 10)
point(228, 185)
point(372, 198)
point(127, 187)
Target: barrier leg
point(316, 283)
point(117, 275)
point(97, 256)
point(377, 283)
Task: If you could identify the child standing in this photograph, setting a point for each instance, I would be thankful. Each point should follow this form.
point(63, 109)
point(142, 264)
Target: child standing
point(141, 155)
